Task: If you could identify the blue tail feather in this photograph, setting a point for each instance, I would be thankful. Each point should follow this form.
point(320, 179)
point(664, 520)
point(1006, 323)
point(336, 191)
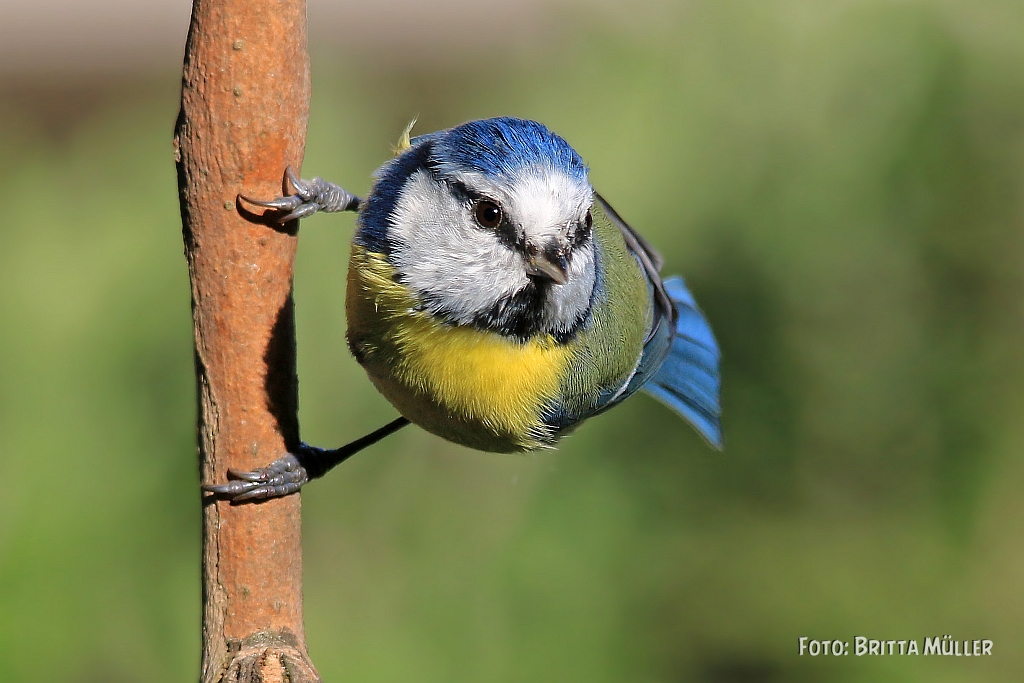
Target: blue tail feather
point(688, 380)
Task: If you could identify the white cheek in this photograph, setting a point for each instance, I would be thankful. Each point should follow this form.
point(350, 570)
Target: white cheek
point(443, 256)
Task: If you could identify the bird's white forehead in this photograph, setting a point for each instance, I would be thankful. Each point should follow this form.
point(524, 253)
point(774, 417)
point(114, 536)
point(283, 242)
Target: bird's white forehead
point(539, 198)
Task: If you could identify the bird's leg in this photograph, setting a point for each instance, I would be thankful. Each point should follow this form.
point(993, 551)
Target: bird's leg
point(310, 196)
point(289, 473)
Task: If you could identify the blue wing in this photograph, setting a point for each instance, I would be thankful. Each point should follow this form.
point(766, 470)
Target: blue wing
point(679, 365)
point(688, 381)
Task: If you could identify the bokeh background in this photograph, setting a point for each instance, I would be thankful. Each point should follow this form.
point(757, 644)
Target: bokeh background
point(841, 182)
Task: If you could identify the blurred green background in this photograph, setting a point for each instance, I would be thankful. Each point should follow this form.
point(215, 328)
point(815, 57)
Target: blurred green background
point(842, 183)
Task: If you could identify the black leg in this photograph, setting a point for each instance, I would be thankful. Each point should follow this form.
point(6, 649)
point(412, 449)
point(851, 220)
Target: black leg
point(289, 473)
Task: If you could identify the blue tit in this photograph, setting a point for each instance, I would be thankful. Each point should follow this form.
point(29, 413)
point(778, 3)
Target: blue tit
point(497, 301)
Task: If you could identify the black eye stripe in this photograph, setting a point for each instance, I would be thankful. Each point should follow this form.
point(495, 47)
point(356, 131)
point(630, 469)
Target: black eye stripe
point(463, 193)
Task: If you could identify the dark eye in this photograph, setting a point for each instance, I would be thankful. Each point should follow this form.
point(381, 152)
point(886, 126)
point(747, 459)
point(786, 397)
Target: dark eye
point(582, 233)
point(488, 214)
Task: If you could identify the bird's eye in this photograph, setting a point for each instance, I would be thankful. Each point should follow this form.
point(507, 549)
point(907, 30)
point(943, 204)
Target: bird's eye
point(582, 233)
point(488, 214)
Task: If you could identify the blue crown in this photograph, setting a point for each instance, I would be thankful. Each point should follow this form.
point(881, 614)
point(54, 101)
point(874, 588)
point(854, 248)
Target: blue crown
point(495, 148)
point(501, 147)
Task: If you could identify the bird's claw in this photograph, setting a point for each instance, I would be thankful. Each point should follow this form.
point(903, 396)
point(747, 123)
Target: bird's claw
point(310, 196)
point(284, 476)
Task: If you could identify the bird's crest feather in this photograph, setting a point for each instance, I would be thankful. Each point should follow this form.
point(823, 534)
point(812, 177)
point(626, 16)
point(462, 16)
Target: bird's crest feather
point(404, 141)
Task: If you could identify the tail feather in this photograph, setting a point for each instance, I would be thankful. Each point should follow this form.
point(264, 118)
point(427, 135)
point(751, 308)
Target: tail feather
point(688, 380)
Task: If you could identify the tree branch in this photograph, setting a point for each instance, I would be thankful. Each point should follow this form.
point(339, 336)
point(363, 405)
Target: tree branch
point(244, 108)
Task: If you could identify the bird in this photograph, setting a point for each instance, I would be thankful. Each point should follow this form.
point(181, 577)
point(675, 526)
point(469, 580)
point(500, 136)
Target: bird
point(498, 301)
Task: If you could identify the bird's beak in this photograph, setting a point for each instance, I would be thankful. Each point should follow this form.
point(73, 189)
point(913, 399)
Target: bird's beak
point(549, 265)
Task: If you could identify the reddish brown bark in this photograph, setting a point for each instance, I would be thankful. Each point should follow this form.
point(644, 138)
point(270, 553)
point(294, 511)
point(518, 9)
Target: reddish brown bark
point(244, 107)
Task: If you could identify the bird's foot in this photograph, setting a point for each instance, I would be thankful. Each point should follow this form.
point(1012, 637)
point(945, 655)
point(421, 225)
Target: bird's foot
point(310, 196)
point(288, 474)
point(282, 477)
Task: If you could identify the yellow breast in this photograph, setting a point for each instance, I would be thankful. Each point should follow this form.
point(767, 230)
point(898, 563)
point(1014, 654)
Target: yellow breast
point(469, 386)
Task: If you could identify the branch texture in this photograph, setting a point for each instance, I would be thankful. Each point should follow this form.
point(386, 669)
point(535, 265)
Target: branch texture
point(244, 108)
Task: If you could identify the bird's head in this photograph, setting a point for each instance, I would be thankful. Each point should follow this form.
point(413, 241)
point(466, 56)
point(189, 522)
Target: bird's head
point(489, 223)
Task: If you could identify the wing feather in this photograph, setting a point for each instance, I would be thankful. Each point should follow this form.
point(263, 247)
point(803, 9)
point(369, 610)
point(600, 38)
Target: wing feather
point(651, 261)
